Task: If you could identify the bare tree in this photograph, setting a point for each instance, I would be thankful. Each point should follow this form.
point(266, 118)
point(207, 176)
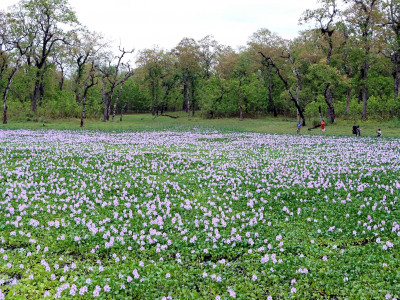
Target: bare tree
point(87, 84)
point(127, 75)
point(114, 75)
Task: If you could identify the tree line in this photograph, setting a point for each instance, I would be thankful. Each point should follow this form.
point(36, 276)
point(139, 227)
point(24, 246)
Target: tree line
point(347, 65)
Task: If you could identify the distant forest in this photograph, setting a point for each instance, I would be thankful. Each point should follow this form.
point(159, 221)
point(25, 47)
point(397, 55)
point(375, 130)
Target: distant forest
point(347, 66)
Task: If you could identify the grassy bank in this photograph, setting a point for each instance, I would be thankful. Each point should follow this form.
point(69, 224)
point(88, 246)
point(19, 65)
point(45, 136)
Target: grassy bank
point(140, 122)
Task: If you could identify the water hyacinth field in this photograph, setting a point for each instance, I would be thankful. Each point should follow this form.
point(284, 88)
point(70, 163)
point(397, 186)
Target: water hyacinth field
point(180, 215)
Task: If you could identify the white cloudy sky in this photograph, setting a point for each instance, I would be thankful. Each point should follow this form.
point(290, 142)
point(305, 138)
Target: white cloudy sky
point(142, 24)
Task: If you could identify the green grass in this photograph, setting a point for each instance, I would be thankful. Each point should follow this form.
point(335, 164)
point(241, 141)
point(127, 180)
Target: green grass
point(140, 122)
point(308, 202)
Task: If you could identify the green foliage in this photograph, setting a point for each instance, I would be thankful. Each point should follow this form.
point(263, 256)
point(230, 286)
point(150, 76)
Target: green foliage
point(211, 72)
point(61, 104)
point(137, 98)
point(312, 109)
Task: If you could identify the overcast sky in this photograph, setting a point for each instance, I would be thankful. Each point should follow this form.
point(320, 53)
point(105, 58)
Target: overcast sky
point(142, 24)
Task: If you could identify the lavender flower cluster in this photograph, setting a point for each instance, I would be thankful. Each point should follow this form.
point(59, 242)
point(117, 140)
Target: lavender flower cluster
point(202, 214)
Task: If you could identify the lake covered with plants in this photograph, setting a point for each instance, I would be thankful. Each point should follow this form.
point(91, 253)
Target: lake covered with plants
point(204, 214)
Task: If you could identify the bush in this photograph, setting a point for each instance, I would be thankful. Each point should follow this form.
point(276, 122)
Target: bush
point(312, 109)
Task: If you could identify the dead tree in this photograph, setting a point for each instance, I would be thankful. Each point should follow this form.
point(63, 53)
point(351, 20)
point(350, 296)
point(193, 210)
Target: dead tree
point(111, 77)
point(128, 74)
point(88, 83)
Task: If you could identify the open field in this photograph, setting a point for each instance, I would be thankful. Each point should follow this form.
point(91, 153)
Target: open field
point(200, 214)
point(140, 122)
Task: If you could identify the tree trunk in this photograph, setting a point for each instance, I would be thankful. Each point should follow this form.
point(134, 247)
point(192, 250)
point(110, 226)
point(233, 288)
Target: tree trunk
point(328, 99)
point(77, 97)
point(187, 97)
point(87, 87)
point(78, 93)
point(116, 101)
point(5, 105)
point(270, 89)
point(364, 88)
point(240, 101)
point(396, 85)
point(364, 100)
point(184, 103)
point(6, 90)
point(396, 74)
point(83, 110)
point(348, 93)
point(38, 91)
point(328, 92)
point(298, 98)
point(41, 89)
point(156, 98)
point(122, 111)
point(4, 111)
point(104, 97)
point(321, 119)
point(35, 95)
point(330, 48)
point(153, 94)
point(192, 96)
point(163, 104)
point(105, 113)
point(62, 84)
point(108, 111)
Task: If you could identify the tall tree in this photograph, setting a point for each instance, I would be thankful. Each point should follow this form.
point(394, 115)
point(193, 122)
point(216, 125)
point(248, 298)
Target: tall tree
point(271, 45)
point(241, 71)
point(88, 82)
point(84, 48)
point(294, 96)
point(346, 63)
point(169, 78)
point(392, 11)
point(48, 23)
point(364, 16)
point(208, 54)
point(13, 48)
point(151, 60)
point(325, 17)
point(187, 53)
